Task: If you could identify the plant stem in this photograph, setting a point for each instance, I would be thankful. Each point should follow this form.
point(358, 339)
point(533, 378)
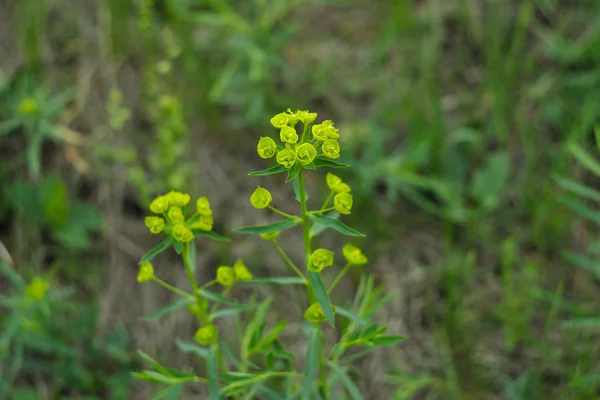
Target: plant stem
point(172, 288)
point(282, 213)
point(185, 254)
point(288, 260)
point(329, 197)
point(338, 279)
point(305, 229)
point(216, 303)
point(321, 211)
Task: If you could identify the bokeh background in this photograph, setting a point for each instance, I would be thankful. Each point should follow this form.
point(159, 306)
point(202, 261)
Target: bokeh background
point(469, 125)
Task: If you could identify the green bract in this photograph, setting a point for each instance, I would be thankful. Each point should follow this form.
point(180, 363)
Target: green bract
point(293, 118)
point(319, 132)
point(146, 272)
point(207, 335)
point(343, 203)
point(178, 199)
point(261, 198)
point(280, 120)
point(288, 135)
point(336, 184)
point(176, 215)
point(182, 233)
point(314, 314)
point(155, 224)
point(159, 205)
point(330, 129)
point(306, 117)
point(331, 148)
point(286, 157)
point(320, 259)
point(266, 147)
point(203, 206)
point(354, 255)
point(205, 223)
point(241, 271)
point(306, 153)
point(225, 275)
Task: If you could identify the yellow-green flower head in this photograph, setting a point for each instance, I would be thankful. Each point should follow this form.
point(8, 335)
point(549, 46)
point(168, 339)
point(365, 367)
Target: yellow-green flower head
point(207, 335)
point(196, 309)
point(288, 135)
point(306, 117)
point(318, 132)
point(314, 314)
point(266, 147)
point(280, 120)
point(182, 233)
point(206, 223)
point(225, 275)
point(270, 235)
point(306, 153)
point(37, 288)
point(28, 106)
point(343, 202)
point(331, 148)
point(293, 118)
point(176, 215)
point(203, 206)
point(330, 129)
point(242, 273)
point(336, 184)
point(286, 157)
point(146, 272)
point(320, 259)
point(178, 199)
point(261, 198)
point(159, 205)
point(354, 255)
point(155, 224)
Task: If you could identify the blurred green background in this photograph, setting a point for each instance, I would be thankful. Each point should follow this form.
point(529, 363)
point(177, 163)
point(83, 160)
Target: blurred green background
point(469, 125)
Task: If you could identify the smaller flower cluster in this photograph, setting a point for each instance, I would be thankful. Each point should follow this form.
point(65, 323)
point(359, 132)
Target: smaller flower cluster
point(227, 276)
point(298, 148)
point(171, 216)
point(343, 200)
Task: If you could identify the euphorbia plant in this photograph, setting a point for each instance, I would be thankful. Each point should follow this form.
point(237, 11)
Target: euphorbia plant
point(261, 368)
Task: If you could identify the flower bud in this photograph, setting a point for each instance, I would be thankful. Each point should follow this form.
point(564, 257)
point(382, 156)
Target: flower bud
point(314, 314)
point(159, 205)
point(286, 157)
point(203, 206)
point(288, 135)
point(330, 129)
point(37, 288)
point(182, 233)
point(336, 184)
point(320, 259)
point(241, 271)
point(178, 199)
point(207, 335)
point(280, 120)
point(266, 147)
point(146, 272)
point(176, 215)
point(306, 117)
point(319, 132)
point(306, 153)
point(331, 148)
point(261, 198)
point(28, 106)
point(270, 235)
point(225, 275)
point(354, 255)
point(343, 202)
point(155, 224)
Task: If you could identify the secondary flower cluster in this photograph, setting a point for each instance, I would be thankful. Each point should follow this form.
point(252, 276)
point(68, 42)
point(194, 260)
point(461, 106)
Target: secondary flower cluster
point(343, 200)
point(296, 148)
point(227, 276)
point(171, 216)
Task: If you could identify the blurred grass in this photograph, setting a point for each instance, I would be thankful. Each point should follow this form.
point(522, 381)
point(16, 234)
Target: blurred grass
point(455, 115)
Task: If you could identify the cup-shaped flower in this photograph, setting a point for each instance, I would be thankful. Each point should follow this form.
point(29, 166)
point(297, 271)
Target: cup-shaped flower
point(155, 224)
point(207, 335)
point(159, 205)
point(288, 135)
point(319, 132)
point(242, 273)
point(314, 314)
point(280, 120)
point(37, 288)
point(320, 259)
point(261, 198)
point(293, 118)
point(182, 233)
point(270, 235)
point(203, 206)
point(306, 153)
point(331, 148)
point(205, 223)
point(286, 157)
point(178, 199)
point(343, 202)
point(354, 255)
point(146, 272)
point(306, 116)
point(266, 147)
point(225, 275)
point(176, 215)
point(330, 129)
point(336, 184)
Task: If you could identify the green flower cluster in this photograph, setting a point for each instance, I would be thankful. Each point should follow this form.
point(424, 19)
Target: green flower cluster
point(171, 217)
point(300, 148)
point(227, 276)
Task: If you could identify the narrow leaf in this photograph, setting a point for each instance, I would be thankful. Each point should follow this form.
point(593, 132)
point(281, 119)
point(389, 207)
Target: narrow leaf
point(584, 158)
point(284, 280)
point(322, 296)
point(192, 348)
point(346, 381)
point(212, 374)
point(325, 162)
point(388, 340)
point(207, 294)
point(578, 189)
point(254, 325)
point(277, 169)
point(227, 312)
point(166, 309)
point(293, 172)
point(312, 363)
point(153, 363)
point(164, 245)
point(278, 226)
point(351, 316)
point(581, 209)
point(211, 235)
point(317, 229)
point(585, 262)
point(269, 337)
point(335, 224)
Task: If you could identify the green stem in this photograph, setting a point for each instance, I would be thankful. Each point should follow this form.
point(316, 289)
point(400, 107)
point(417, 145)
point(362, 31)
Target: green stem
point(323, 210)
point(328, 200)
point(282, 213)
point(338, 279)
point(305, 230)
point(172, 288)
point(185, 254)
point(288, 260)
point(216, 304)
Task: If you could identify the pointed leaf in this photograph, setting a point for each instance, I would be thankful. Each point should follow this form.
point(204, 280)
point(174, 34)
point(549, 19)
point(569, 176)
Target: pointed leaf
point(211, 371)
point(312, 363)
point(192, 348)
point(388, 340)
point(578, 189)
point(293, 172)
point(207, 294)
point(211, 235)
point(335, 224)
point(284, 280)
point(322, 296)
point(278, 226)
point(277, 169)
point(325, 162)
point(584, 158)
point(317, 229)
point(164, 245)
point(166, 309)
point(269, 337)
point(346, 381)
